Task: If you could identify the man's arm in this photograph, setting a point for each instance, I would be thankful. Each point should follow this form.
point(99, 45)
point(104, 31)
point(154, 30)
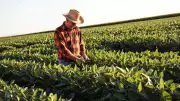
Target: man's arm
point(82, 48)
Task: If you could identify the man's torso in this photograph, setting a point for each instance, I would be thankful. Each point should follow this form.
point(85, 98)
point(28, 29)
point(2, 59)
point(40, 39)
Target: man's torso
point(72, 39)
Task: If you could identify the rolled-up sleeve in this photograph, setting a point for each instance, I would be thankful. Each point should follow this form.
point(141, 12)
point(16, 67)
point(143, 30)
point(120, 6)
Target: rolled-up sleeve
point(82, 46)
point(59, 41)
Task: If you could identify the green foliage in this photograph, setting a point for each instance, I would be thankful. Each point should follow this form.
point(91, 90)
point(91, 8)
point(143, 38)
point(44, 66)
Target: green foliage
point(138, 61)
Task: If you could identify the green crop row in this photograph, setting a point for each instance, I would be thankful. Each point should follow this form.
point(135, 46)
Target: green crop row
point(92, 82)
point(139, 36)
point(12, 92)
point(168, 61)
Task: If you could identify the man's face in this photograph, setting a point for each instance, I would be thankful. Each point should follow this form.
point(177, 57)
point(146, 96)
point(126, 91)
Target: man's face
point(70, 24)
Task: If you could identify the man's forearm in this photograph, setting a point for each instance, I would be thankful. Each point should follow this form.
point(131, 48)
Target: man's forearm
point(72, 56)
point(82, 49)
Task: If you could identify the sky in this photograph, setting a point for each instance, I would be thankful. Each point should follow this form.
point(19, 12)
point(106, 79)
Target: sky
point(28, 16)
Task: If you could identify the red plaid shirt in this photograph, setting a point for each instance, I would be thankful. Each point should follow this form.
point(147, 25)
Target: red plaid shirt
point(69, 39)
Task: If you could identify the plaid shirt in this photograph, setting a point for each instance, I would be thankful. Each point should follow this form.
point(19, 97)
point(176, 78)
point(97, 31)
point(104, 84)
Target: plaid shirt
point(68, 39)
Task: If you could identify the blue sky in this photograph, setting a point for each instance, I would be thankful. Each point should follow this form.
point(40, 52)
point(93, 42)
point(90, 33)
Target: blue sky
point(27, 16)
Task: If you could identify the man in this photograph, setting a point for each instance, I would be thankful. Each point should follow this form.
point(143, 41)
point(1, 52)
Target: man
point(68, 39)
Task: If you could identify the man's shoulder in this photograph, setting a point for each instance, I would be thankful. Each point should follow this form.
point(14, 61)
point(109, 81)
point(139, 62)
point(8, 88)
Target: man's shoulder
point(59, 29)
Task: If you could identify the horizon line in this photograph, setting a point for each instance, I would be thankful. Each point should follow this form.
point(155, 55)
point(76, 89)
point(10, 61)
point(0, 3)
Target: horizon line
point(168, 15)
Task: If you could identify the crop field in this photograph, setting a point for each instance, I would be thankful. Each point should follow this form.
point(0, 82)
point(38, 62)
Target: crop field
point(136, 61)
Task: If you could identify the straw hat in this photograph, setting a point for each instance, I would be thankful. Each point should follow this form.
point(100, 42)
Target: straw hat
point(74, 16)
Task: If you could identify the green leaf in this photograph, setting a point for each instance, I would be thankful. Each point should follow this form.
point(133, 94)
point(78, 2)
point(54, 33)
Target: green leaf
point(121, 85)
point(75, 68)
point(140, 87)
point(166, 96)
point(172, 87)
point(54, 97)
point(168, 83)
point(161, 82)
point(22, 92)
point(130, 79)
point(17, 98)
point(94, 68)
point(150, 86)
point(121, 70)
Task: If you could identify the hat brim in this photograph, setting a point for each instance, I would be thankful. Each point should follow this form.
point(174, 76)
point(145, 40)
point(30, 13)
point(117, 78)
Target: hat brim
point(79, 21)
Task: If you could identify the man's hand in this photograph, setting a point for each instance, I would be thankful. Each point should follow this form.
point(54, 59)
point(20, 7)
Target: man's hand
point(86, 58)
point(80, 59)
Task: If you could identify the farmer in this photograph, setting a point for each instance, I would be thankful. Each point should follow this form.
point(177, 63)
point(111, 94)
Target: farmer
point(68, 39)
